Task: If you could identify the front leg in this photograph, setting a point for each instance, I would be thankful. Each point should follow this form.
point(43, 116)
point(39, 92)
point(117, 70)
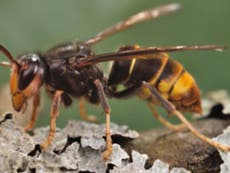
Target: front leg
point(36, 104)
point(107, 110)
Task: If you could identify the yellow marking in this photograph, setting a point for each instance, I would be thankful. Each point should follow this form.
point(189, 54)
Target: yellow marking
point(144, 93)
point(182, 86)
point(131, 67)
point(136, 46)
point(130, 70)
point(164, 57)
point(166, 84)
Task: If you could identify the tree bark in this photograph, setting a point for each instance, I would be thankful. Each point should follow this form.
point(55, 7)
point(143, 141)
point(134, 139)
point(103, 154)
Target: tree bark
point(181, 149)
point(85, 145)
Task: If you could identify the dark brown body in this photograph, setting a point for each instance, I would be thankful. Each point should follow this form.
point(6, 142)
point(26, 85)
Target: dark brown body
point(66, 76)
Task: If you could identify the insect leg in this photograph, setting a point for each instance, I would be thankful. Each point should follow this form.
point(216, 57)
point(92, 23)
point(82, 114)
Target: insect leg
point(164, 121)
point(83, 113)
point(137, 18)
point(172, 110)
point(53, 116)
point(107, 111)
point(36, 104)
point(130, 91)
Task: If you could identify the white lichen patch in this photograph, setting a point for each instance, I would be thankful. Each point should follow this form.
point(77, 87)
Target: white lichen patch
point(83, 153)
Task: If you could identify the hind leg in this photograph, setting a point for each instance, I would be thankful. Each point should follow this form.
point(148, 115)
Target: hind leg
point(164, 121)
point(172, 110)
point(131, 91)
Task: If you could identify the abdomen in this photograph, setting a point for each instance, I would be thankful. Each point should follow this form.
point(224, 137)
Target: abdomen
point(168, 76)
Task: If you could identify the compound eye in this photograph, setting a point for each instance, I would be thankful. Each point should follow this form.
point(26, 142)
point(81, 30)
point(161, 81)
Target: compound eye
point(27, 73)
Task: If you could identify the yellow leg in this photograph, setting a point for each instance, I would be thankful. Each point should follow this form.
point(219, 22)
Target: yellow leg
point(206, 139)
point(109, 147)
point(36, 103)
point(83, 113)
point(53, 116)
point(164, 121)
point(171, 109)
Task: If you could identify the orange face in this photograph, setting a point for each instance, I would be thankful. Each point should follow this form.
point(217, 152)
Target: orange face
point(25, 81)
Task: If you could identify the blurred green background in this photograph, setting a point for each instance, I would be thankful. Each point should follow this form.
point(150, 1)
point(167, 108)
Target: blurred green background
point(29, 25)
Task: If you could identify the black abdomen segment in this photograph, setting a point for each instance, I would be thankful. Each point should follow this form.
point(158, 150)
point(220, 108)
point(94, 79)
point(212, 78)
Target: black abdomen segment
point(133, 72)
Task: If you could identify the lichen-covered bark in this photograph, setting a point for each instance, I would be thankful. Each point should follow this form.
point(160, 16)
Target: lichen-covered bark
point(79, 147)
